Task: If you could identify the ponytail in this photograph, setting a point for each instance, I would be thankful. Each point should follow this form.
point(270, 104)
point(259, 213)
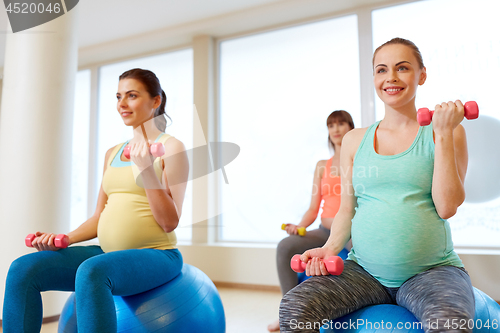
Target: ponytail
point(160, 120)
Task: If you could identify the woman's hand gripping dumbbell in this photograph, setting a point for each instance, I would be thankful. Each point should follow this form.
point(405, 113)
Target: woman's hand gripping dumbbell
point(334, 264)
point(300, 230)
point(60, 241)
point(424, 116)
point(156, 149)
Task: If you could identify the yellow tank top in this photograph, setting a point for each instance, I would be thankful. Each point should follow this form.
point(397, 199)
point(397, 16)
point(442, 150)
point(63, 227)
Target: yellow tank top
point(127, 221)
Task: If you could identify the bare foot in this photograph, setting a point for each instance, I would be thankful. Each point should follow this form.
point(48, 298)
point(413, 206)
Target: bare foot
point(274, 327)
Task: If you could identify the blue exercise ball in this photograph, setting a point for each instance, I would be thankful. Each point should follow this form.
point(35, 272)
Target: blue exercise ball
point(487, 318)
point(370, 319)
point(188, 303)
point(302, 276)
point(376, 318)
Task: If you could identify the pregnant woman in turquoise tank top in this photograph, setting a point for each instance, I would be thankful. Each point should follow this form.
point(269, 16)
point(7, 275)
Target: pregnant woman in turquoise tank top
point(400, 184)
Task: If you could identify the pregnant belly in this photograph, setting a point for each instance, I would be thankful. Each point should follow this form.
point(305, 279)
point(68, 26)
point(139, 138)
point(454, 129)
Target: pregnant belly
point(130, 227)
point(399, 240)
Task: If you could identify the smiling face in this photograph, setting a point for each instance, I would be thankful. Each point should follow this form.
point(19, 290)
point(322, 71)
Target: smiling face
point(134, 103)
point(396, 75)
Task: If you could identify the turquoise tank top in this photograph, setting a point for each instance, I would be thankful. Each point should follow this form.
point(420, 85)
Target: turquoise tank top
point(396, 231)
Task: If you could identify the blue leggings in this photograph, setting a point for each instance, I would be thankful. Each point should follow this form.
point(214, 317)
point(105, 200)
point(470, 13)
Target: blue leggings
point(93, 275)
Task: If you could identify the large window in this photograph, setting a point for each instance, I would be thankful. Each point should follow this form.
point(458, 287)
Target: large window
point(276, 91)
point(175, 72)
point(80, 158)
point(460, 45)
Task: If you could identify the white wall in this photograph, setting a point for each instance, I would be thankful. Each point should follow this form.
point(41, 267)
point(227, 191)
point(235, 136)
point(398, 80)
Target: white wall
point(38, 90)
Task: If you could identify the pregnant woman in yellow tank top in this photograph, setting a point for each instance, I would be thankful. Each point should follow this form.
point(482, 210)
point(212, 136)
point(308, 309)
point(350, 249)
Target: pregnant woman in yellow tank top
point(138, 209)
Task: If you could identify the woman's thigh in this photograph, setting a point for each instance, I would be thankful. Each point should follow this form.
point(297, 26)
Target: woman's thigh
point(51, 270)
point(298, 244)
point(130, 272)
point(330, 297)
point(440, 298)
point(36, 272)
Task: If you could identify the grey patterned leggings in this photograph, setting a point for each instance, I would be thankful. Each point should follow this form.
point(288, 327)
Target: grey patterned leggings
point(435, 296)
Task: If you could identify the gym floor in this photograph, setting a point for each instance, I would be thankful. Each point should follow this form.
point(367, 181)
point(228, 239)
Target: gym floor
point(247, 311)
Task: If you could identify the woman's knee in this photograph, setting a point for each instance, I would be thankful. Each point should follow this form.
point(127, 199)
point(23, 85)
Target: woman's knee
point(25, 267)
point(288, 246)
point(21, 266)
point(299, 310)
point(299, 301)
point(91, 272)
point(293, 307)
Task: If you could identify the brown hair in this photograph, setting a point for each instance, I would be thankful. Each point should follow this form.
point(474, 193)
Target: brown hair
point(153, 87)
point(402, 41)
point(339, 116)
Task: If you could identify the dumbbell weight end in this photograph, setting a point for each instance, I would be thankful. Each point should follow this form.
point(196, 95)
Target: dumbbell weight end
point(156, 149)
point(301, 230)
point(471, 111)
point(61, 241)
point(334, 265)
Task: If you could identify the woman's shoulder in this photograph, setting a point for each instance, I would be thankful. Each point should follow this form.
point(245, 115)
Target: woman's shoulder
point(321, 163)
point(109, 154)
point(352, 140)
point(354, 137)
point(320, 168)
point(173, 145)
point(110, 150)
point(357, 132)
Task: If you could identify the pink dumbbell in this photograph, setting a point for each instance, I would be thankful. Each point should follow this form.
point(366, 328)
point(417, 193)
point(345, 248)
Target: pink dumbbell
point(471, 111)
point(61, 241)
point(156, 149)
point(334, 265)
